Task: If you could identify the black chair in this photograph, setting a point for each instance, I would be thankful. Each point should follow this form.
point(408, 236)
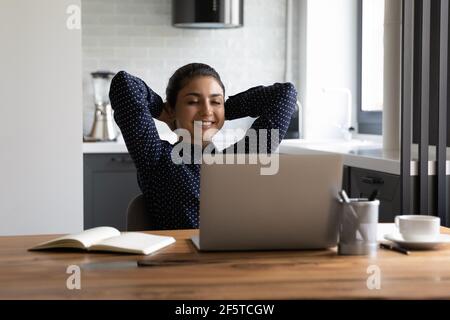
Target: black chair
point(137, 219)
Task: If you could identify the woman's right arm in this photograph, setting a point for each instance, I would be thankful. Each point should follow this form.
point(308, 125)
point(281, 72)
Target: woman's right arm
point(135, 105)
point(273, 105)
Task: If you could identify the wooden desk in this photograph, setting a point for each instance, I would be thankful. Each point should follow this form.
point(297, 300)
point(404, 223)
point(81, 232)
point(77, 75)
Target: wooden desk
point(180, 272)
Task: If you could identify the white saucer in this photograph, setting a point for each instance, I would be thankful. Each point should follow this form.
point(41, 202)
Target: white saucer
point(420, 245)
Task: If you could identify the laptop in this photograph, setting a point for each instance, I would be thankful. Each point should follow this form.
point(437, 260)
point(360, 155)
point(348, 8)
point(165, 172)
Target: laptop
point(296, 208)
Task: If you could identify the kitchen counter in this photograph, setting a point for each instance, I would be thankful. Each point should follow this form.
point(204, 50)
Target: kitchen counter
point(357, 153)
point(365, 154)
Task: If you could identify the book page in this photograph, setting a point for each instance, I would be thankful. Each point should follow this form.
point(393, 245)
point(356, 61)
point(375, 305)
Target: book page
point(80, 240)
point(134, 242)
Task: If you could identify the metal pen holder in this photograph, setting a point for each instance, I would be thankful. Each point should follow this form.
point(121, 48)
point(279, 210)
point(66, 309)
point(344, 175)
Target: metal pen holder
point(358, 227)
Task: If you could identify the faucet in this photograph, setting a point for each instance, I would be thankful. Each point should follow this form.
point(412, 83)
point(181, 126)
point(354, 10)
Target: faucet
point(346, 130)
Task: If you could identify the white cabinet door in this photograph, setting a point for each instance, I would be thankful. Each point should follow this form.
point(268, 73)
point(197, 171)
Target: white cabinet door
point(40, 117)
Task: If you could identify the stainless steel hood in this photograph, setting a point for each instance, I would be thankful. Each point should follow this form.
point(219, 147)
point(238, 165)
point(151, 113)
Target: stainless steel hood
point(208, 14)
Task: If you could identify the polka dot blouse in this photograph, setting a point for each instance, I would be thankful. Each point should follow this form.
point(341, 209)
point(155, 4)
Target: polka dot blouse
point(172, 191)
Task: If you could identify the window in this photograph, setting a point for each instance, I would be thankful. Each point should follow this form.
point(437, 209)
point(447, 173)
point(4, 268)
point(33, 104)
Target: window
point(370, 62)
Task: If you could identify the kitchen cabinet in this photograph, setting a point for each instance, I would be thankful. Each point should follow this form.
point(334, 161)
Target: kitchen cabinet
point(346, 179)
point(110, 183)
point(360, 183)
point(363, 182)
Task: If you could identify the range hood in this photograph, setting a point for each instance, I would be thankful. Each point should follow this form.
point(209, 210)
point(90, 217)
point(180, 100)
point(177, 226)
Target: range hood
point(207, 14)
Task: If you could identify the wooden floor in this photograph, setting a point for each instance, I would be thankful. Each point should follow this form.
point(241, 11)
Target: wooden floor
point(180, 272)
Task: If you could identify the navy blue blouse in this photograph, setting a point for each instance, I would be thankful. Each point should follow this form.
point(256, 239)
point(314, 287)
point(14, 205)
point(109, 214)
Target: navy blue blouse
point(172, 191)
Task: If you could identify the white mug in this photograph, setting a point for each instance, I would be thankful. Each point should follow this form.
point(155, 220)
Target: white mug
point(418, 228)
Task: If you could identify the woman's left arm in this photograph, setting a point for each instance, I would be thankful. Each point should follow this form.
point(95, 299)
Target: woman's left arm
point(273, 105)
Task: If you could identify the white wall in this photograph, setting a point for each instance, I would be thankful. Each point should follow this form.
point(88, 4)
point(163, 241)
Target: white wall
point(41, 119)
point(136, 35)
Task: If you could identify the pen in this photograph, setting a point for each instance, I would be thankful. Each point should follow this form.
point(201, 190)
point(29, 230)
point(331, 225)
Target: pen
point(394, 248)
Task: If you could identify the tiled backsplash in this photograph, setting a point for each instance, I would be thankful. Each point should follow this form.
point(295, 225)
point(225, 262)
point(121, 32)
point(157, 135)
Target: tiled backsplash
point(137, 36)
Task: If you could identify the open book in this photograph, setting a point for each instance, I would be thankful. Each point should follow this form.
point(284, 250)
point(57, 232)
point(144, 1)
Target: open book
point(109, 239)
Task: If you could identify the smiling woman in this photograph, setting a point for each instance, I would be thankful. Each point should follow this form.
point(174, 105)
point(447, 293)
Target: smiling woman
point(195, 94)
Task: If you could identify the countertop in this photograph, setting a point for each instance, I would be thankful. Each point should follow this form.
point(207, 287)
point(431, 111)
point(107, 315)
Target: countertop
point(363, 154)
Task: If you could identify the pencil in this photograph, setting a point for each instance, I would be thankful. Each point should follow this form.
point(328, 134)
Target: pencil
point(394, 248)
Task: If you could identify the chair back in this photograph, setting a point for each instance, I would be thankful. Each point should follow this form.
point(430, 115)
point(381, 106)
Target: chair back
point(137, 219)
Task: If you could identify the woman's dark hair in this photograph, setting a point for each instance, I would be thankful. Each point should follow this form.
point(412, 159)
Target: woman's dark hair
point(186, 73)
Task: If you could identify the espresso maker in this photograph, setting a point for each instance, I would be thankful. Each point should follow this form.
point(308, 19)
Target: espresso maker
point(103, 127)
